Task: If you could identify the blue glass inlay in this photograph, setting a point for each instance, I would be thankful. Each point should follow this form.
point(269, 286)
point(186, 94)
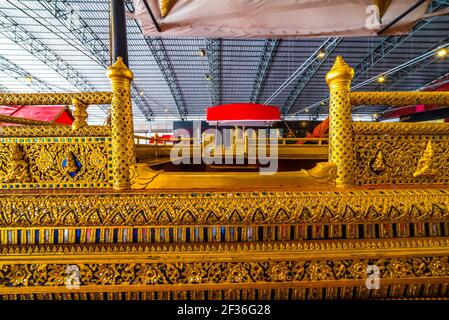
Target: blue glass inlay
point(77, 235)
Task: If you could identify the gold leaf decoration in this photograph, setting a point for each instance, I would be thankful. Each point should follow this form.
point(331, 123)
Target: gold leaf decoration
point(378, 165)
point(425, 162)
point(165, 6)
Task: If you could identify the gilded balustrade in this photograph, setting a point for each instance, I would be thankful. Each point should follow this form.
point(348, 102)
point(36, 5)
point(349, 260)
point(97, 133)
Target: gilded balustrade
point(55, 156)
point(81, 156)
point(384, 153)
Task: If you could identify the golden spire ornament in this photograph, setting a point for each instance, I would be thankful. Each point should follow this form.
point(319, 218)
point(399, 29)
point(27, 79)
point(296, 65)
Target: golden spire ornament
point(165, 6)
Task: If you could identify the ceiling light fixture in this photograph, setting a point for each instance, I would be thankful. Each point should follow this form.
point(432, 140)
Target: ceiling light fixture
point(141, 93)
point(321, 54)
point(202, 52)
point(381, 79)
point(442, 53)
point(29, 79)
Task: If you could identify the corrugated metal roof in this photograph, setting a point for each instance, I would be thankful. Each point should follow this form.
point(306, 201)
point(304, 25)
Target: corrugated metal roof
point(238, 62)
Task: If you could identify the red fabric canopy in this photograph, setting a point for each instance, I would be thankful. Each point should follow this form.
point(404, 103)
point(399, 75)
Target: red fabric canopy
point(243, 112)
point(55, 114)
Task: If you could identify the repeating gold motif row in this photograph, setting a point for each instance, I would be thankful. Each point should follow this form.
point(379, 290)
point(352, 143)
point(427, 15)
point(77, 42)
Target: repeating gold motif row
point(20, 99)
point(400, 98)
point(221, 208)
point(54, 131)
point(421, 291)
point(271, 271)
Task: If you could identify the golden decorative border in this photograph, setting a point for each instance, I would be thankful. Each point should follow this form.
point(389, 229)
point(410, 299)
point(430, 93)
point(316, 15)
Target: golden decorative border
point(54, 131)
point(399, 98)
point(14, 99)
point(226, 267)
point(221, 208)
point(398, 129)
point(421, 290)
point(170, 252)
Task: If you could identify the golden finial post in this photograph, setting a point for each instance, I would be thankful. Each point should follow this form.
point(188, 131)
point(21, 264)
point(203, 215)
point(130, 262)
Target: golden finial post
point(341, 145)
point(121, 124)
point(80, 114)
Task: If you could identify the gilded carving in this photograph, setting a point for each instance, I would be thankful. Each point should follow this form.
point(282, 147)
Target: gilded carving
point(365, 206)
point(400, 98)
point(18, 168)
point(21, 99)
point(80, 114)
point(377, 164)
point(341, 150)
point(54, 160)
point(54, 131)
point(407, 159)
point(121, 124)
point(425, 163)
point(272, 271)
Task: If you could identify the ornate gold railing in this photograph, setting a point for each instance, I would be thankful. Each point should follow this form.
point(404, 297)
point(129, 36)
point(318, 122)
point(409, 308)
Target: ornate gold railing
point(81, 156)
point(384, 153)
point(42, 155)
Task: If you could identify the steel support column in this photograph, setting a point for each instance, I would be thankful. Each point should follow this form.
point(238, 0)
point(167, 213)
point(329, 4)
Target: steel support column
point(118, 31)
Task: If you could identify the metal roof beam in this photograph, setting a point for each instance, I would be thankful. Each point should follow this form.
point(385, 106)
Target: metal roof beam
point(20, 36)
point(391, 43)
point(386, 47)
point(16, 72)
point(266, 56)
point(157, 49)
point(213, 48)
point(76, 25)
point(327, 47)
point(27, 41)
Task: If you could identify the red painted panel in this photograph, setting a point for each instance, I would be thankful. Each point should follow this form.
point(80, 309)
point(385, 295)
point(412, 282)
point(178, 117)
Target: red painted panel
point(57, 114)
point(243, 112)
